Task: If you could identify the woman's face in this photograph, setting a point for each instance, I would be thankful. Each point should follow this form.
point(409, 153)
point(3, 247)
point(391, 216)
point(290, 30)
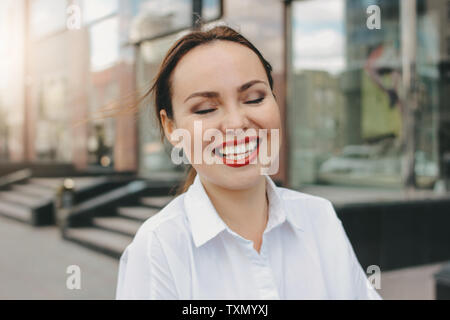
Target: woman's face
point(223, 86)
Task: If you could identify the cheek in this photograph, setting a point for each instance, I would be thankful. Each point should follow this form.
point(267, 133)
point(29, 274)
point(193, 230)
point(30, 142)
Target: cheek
point(271, 120)
point(269, 117)
point(187, 131)
point(195, 143)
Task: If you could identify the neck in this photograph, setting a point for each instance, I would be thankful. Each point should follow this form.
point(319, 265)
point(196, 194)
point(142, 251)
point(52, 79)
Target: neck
point(245, 211)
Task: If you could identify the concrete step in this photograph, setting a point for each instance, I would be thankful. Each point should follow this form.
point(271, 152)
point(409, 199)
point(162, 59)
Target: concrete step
point(118, 224)
point(14, 177)
point(107, 242)
point(137, 213)
point(16, 211)
point(34, 190)
point(156, 202)
point(55, 183)
point(23, 199)
point(48, 183)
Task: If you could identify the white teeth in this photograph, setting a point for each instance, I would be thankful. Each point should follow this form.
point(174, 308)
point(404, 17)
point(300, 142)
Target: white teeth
point(236, 157)
point(250, 146)
point(239, 151)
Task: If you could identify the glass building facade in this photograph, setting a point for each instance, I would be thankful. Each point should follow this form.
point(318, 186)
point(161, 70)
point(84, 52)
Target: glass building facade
point(345, 90)
point(76, 67)
point(12, 80)
point(347, 101)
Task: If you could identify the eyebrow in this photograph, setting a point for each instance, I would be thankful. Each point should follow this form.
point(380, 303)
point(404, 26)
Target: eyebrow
point(213, 94)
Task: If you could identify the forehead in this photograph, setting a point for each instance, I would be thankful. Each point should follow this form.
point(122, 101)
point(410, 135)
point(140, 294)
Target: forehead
point(214, 65)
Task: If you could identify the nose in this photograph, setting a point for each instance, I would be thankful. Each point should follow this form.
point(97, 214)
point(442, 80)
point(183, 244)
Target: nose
point(235, 118)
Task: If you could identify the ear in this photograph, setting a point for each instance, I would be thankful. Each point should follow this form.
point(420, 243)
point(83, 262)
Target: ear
point(168, 125)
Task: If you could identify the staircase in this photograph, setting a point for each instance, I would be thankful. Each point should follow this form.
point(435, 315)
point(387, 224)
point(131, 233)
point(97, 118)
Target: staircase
point(108, 223)
point(104, 212)
point(27, 199)
point(32, 199)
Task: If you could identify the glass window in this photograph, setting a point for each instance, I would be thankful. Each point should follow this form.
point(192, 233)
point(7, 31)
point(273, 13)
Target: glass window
point(347, 102)
point(159, 17)
point(96, 9)
point(156, 18)
point(104, 43)
point(103, 93)
point(47, 16)
point(261, 21)
point(53, 140)
point(11, 79)
point(154, 155)
point(4, 150)
point(211, 9)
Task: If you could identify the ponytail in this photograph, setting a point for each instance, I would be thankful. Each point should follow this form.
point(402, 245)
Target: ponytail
point(188, 181)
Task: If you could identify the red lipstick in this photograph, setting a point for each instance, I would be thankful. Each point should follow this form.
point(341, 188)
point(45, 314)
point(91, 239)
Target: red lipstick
point(239, 162)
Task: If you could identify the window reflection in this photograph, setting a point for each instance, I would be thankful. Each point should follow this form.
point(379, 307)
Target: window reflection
point(211, 9)
point(347, 102)
point(154, 154)
point(53, 140)
point(4, 148)
point(11, 79)
point(47, 16)
point(96, 9)
point(104, 43)
point(103, 92)
point(157, 17)
point(318, 31)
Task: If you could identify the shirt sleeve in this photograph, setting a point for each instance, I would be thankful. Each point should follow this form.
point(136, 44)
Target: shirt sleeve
point(144, 272)
point(362, 288)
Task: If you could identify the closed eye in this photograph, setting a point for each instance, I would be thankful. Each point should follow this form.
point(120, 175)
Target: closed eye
point(255, 101)
point(204, 111)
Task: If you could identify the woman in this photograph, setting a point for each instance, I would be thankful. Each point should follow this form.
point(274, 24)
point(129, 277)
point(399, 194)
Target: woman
point(233, 234)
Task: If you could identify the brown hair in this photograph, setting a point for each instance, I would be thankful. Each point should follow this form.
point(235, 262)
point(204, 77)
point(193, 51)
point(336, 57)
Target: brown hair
point(161, 86)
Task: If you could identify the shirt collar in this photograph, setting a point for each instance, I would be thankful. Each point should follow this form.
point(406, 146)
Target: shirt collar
point(206, 223)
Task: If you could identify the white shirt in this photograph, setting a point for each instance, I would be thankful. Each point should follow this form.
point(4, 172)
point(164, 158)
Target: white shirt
point(186, 251)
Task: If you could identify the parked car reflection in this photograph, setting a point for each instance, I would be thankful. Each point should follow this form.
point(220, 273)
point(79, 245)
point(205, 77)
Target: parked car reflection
point(374, 165)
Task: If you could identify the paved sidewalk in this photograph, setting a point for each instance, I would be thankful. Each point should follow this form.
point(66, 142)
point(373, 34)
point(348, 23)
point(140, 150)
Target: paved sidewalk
point(415, 283)
point(34, 261)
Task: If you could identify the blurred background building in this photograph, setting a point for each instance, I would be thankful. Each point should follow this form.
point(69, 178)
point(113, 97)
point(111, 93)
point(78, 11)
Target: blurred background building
point(366, 111)
point(339, 83)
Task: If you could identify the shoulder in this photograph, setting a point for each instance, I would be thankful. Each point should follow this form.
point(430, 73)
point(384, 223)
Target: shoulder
point(293, 195)
point(172, 213)
point(318, 217)
point(304, 207)
point(167, 227)
point(145, 270)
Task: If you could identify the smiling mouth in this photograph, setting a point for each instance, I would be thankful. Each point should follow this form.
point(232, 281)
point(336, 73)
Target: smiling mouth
point(236, 154)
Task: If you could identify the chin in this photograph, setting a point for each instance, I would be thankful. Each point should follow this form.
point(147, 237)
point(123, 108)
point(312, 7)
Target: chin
point(239, 179)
